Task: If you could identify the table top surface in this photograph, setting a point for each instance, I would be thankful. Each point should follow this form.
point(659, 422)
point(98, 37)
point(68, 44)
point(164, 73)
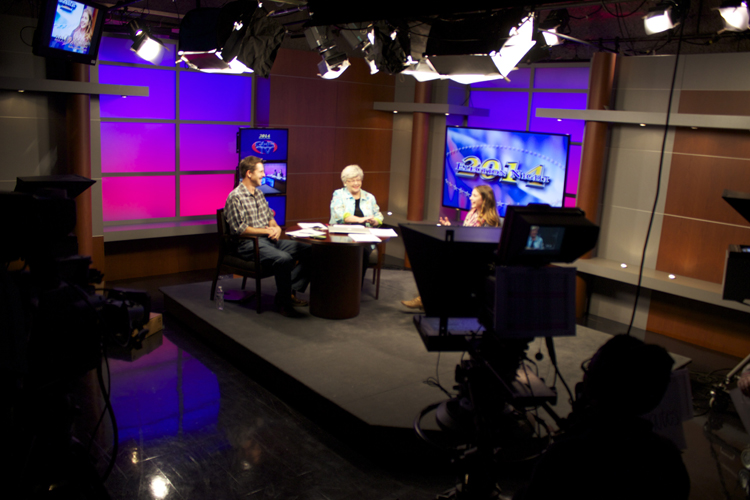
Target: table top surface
point(333, 239)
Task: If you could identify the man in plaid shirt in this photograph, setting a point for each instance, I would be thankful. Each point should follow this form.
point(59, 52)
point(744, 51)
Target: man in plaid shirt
point(247, 212)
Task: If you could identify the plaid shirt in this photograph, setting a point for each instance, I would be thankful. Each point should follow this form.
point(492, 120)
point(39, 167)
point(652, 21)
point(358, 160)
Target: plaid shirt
point(245, 209)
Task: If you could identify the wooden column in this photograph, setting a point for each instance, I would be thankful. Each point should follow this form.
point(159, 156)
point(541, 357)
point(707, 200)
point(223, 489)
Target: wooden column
point(79, 157)
point(420, 135)
point(589, 197)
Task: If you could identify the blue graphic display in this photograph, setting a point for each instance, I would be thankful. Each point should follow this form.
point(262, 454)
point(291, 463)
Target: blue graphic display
point(266, 143)
point(520, 167)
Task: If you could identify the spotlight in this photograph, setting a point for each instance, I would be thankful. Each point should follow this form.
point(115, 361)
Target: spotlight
point(146, 47)
point(519, 43)
point(735, 15)
point(361, 39)
point(556, 22)
point(334, 61)
point(422, 71)
point(390, 47)
point(665, 16)
point(236, 38)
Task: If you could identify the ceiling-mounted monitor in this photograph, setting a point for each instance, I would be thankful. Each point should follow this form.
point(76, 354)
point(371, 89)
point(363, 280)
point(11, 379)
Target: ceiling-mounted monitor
point(70, 29)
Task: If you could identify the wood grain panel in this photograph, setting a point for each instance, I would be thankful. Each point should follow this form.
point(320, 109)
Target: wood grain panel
point(715, 102)
point(309, 195)
point(368, 148)
point(356, 102)
point(709, 142)
point(706, 325)
point(153, 257)
point(697, 182)
point(697, 249)
point(301, 63)
point(312, 150)
point(302, 101)
point(378, 183)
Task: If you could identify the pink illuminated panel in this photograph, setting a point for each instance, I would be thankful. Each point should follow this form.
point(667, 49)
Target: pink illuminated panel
point(211, 97)
point(138, 147)
point(558, 101)
point(561, 78)
point(508, 110)
point(574, 168)
point(208, 147)
point(126, 198)
point(204, 194)
point(160, 103)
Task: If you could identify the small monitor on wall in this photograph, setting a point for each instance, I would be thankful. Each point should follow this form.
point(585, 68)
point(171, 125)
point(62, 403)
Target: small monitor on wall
point(521, 167)
point(269, 144)
point(70, 29)
point(275, 180)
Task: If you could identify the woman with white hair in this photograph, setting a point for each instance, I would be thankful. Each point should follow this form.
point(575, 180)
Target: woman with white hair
point(353, 205)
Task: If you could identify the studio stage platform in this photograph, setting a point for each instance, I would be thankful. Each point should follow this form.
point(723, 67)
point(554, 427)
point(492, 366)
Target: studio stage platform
point(371, 368)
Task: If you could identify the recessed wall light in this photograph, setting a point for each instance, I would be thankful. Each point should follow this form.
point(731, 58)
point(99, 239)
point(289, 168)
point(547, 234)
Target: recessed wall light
point(672, 276)
point(395, 112)
point(643, 124)
point(623, 265)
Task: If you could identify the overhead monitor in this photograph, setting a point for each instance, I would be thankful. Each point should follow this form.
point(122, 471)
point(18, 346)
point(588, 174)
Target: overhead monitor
point(70, 29)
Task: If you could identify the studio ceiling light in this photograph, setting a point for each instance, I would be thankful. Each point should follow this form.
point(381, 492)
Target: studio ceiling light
point(556, 22)
point(334, 61)
point(665, 16)
point(735, 15)
point(144, 45)
point(518, 44)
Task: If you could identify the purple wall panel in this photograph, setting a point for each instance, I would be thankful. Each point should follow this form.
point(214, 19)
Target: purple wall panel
point(208, 147)
point(558, 101)
point(574, 169)
point(138, 147)
point(570, 202)
point(508, 110)
point(561, 78)
point(125, 198)
point(519, 79)
point(204, 194)
point(211, 97)
point(160, 103)
point(118, 50)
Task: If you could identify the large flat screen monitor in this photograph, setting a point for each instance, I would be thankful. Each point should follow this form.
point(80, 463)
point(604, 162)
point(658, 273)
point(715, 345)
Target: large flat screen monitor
point(520, 167)
point(70, 29)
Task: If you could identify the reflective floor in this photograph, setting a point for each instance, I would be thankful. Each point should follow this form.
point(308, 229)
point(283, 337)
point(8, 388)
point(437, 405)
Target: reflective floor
point(191, 425)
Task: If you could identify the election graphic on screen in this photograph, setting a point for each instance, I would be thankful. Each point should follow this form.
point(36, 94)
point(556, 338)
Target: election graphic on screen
point(520, 167)
point(266, 144)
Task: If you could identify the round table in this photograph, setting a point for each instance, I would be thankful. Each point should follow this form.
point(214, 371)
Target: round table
point(336, 276)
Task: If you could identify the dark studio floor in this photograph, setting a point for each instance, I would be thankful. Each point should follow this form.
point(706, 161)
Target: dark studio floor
point(194, 425)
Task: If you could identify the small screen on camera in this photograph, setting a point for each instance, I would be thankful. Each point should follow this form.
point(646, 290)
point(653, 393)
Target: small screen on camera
point(544, 239)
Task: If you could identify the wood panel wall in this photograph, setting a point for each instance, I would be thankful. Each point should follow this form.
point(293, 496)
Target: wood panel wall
point(699, 225)
point(331, 124)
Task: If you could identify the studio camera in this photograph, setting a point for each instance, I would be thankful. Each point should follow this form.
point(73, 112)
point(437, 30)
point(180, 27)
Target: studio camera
point(489, 292)
point(54, 330)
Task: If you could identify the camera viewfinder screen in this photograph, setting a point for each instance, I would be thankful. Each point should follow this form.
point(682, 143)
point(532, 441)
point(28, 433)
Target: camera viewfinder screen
point(544, 239)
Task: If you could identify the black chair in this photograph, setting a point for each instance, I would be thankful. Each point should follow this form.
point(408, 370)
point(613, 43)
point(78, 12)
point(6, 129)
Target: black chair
point(231, 262)
point(375, 262)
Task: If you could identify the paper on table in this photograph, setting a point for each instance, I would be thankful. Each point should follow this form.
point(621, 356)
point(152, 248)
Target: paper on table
point(305, 233)
point(383, 232)
point(362, 238)
point(313, 225)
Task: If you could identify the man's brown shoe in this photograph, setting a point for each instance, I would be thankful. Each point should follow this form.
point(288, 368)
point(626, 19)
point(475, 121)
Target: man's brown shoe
point(299, 302)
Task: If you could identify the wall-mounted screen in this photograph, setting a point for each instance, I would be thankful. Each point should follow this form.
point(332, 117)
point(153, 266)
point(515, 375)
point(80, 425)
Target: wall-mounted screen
point(269, 144)
point(277, 204)
point(520, 167)
point(275, 180)
point(70, 29)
